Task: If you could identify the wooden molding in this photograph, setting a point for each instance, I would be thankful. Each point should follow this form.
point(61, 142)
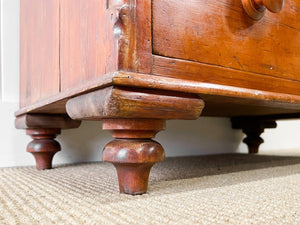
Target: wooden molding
point(218, 75)
point(115, 102)
point(220, 100)
point(134, 128)
point(198, 87)
point(45, 121)
point(217, 97)
point(130, 27)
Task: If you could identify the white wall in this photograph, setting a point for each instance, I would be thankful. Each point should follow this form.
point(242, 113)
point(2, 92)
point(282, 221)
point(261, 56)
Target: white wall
point(10, 50)
point(204, 136)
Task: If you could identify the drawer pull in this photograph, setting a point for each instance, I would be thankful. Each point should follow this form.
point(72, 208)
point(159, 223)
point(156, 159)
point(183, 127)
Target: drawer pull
point(256, 8)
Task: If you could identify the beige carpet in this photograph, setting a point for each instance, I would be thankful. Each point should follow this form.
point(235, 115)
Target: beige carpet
point(223, 189)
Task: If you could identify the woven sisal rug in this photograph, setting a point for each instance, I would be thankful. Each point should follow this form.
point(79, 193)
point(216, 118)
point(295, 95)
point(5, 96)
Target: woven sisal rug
point(218, 189)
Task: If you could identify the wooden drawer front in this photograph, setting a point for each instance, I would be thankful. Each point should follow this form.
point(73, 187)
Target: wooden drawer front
point(219, 32)
point(39, 50)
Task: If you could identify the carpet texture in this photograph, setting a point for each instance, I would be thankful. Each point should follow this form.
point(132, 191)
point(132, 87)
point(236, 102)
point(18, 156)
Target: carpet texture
point(218, 189)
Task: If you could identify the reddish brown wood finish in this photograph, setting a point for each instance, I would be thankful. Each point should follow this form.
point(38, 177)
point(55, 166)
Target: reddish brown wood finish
point(253, 128)
point(133, 153)
point(57, 103)
point(221, 100)
point(43, 147)
point(134, 103)
point(256, 8)
point(221, 33)
point(189, 86)
point(102, 55)
point(194, 71)
point(39, 50)
point(83, 48)
point(144, 36)
point(126, 44)
point(274, 6)
point(70, 45)
point(43, 128)
point(134, 128)
point(45, 121)
point(132, 30)
point(98, 37)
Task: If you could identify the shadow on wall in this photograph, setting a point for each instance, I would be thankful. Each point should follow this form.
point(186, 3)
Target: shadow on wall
point(201, 137)
point(181, 138)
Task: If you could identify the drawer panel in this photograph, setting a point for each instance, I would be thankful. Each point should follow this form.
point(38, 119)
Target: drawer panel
point(219, 32)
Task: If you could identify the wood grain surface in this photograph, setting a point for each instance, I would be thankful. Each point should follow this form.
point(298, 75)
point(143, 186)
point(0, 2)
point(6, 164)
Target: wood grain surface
point(83, 46)
point(39, 50)
point(195, 71)
point(99, 37)
point(134, 103)
point(221, 98)
point(221, 33)
point(238, 66)
point(45, 121)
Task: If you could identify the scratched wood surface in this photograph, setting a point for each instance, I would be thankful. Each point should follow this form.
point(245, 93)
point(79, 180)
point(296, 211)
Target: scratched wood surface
point(220, 33)
point(39, 50)
point(195, 71)
point(134, 103)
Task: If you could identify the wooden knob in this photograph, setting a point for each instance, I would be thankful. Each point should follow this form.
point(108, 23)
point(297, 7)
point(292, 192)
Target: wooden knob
point(256, 8)
point(274, 6)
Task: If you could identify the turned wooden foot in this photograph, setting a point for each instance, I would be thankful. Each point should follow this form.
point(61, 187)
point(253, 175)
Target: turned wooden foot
point(44, 128)
point(253, 128)
point(253, 139)
point(133, 160)
point(43, 147)
point(133, 153)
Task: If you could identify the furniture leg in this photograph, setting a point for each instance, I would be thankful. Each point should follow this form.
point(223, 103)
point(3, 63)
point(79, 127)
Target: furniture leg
point(253, 128)
point(133, 152)
point(43, 147)
point(43, 129)
point(253, 139)
point(134, 116)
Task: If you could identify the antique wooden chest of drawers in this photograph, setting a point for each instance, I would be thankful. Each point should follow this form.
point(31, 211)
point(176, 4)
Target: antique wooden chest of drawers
point(136, 63)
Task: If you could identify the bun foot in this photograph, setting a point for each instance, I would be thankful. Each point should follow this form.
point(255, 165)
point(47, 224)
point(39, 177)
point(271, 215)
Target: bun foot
point(253, 127)
point(133, 152)
point(253, 141)
point(133, 160)
point(43, 147)
point(133, 178)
